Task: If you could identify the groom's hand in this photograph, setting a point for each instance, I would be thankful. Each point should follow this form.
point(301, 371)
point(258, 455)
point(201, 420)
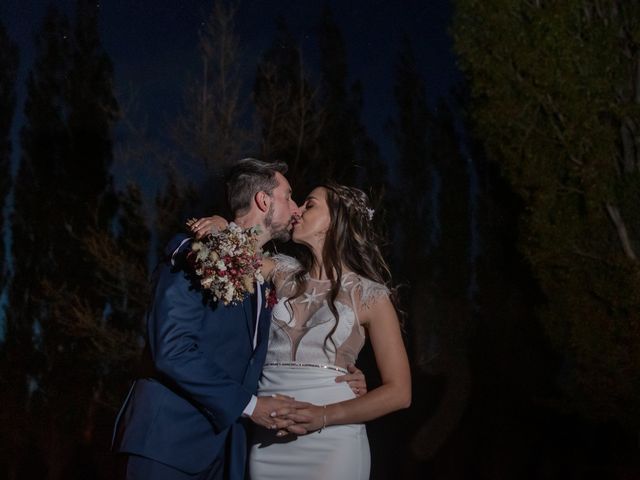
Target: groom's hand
point(271, 412)
point(356, 380)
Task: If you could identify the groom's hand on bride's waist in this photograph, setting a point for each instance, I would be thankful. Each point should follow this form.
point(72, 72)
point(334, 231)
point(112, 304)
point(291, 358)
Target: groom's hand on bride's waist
point(271, 412)
point(355, 379)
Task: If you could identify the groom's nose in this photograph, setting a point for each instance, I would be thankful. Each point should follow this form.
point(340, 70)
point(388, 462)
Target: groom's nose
point(295, 210)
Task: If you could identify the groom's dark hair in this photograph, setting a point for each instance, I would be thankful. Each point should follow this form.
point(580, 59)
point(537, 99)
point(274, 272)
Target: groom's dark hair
point(248, 177)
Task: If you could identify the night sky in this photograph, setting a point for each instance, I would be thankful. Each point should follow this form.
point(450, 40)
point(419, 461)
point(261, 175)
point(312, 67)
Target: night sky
point(153, 46)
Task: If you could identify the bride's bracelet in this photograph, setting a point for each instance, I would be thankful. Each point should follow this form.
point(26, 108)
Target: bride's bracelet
point(324, 418)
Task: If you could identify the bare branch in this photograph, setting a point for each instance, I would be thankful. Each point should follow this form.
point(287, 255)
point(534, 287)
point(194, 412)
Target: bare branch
point(616, 218)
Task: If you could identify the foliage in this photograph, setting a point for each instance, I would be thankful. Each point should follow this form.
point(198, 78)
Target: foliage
point(556, 89)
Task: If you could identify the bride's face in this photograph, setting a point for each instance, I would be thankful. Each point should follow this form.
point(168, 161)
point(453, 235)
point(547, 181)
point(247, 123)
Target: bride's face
point(314, 220)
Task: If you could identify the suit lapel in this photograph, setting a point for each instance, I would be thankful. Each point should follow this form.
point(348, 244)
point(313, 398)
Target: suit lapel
point(256, 321)
point(265, 316)
point(249, 308)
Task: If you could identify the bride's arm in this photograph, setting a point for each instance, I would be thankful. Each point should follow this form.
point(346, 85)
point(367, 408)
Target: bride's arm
point(381, 320)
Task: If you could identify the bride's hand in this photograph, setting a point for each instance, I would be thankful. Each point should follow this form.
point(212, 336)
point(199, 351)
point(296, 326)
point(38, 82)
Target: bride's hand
point(356, 380)
point(309, 418)
point(272, 412)
point(206, 225)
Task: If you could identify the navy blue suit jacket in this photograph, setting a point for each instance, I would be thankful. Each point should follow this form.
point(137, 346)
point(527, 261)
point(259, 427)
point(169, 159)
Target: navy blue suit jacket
point(200, 372)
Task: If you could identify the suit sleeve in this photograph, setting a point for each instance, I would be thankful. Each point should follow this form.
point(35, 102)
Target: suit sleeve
point(174, 326)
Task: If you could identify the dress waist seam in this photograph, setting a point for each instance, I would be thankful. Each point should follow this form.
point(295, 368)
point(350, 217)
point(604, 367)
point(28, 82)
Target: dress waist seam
point(314, 365)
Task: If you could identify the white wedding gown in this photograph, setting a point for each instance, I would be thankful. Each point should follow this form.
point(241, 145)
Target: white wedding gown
point(300, 363)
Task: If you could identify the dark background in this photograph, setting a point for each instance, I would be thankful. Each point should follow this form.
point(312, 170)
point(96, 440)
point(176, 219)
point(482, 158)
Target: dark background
point(498, 142)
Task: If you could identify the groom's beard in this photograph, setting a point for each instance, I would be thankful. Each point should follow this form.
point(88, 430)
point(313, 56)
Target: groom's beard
point(280, 232)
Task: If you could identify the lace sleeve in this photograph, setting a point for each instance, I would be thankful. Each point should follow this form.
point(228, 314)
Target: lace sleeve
point(370, 291)
point(285, 266)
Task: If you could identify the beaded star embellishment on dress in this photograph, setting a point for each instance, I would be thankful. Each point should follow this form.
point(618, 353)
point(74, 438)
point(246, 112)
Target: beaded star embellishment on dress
point(311, 298)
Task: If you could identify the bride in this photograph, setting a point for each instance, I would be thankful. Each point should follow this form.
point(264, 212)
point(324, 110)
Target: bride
point(329, 300)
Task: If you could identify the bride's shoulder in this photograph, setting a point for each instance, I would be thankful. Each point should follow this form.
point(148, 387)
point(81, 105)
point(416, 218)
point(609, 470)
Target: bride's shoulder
point(283, 270)
point(284, 264)
point(368, 290)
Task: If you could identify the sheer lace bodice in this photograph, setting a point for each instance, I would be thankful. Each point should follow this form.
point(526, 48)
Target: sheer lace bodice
point(300, 325)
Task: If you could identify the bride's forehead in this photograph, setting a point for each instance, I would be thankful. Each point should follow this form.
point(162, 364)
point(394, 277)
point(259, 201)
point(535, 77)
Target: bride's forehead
point(318, 193)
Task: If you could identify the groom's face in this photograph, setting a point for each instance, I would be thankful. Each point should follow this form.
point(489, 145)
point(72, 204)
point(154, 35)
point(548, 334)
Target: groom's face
point(282, 211)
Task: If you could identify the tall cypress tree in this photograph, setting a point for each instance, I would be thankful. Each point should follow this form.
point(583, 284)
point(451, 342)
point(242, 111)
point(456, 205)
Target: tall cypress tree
point(210, 131)
point(441, 300)
point(93, 110)
point(371, 170)
point(286, 103)
point(433, 252)
point(411, 204)
point(338, 130)
point(410, 130)
point(63, 189)
point(8, 72)
point(35, 221)
point(345, 146)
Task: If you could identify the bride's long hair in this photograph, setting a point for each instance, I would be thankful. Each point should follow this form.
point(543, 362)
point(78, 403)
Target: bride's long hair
point(351, 241)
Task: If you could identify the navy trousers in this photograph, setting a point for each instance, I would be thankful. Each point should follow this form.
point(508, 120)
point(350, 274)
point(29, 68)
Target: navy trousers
point(142, 468)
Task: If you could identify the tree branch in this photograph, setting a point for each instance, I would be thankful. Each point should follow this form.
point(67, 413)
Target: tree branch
point(625, 243)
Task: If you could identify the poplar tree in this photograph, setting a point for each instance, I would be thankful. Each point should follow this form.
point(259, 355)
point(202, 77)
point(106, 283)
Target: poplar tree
point(348, 153)
point(63, 191)
point(8, 72)
point(9, 379)
point(290, 119)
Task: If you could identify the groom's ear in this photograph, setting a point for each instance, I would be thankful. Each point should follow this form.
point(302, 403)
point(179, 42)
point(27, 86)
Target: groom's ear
point(263, 201)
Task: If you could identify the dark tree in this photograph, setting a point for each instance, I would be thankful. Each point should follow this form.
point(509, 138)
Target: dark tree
point(556, 107)
point(211, 132)
point(411, 226)
point(433, 258)
point(372, 171)
point(122, 279)
point(338, 131)
point(35, 222)
point(346, 150)
point(11, 383)
point(173, 206)
point(63, 191)
point(8, 71)
point(410, 130)
point(286, 104)
point(441, 297)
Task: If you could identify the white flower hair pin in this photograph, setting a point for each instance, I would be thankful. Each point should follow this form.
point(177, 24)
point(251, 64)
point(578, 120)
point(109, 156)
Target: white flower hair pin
point(370, 212)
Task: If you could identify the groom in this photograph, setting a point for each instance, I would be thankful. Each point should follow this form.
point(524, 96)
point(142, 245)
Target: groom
point(184, 416)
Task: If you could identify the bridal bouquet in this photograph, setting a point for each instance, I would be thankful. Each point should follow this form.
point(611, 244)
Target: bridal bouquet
point(228, 263)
